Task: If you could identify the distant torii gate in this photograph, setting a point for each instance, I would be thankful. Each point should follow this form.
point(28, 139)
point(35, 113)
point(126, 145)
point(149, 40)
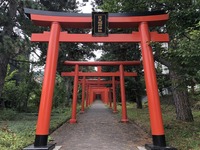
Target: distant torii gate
point(98, 83)
point(121, 73)
point(104, 92)
point(142, 21)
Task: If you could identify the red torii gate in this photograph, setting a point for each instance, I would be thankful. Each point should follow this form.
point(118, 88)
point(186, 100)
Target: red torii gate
point(104, 92)
point(106, 99)
point(98, 83)
point(99, 73)
point(142, 21)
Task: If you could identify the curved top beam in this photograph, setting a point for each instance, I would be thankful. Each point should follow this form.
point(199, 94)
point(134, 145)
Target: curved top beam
point(102, 63)
point(80, 20)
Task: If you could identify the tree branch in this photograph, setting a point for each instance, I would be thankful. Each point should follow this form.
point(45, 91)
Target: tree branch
point(163, 61)
point(188, 37)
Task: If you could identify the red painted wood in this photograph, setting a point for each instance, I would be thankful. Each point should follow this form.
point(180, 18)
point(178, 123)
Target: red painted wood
point(96, 74)
point(123, 94)
point(114, 95)
point(83, 95)
point(151, 82)
point(98, 82)
point(102, 63)
point(87, 95)
point(75, 95)
point(110, 97)
point(119, 38)
point(44, 115)
point(85, 22)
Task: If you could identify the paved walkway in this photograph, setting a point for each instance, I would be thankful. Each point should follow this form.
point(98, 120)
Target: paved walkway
point(99, 129)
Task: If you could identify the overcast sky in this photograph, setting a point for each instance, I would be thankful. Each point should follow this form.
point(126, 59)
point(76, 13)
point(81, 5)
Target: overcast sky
point(87, 8)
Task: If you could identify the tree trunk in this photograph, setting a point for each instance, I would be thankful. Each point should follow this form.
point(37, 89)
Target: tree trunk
point(181, 100)
point(69, 88)
point(4, 56)
point(139, 101)
point(192, 88)
point(138, 93)
point(3, 71)
point(179, 91)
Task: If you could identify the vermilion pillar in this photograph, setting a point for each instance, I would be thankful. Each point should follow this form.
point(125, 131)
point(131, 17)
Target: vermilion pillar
point(87, 95)
point(123, 95)
point(83, 96)
point(106, 96)
point(103, 97)
point(94, 97)
point(110, 97)
point(75, 93)
point(90, 96)
point(114, 95)
point(151, 87)
point(42, 129)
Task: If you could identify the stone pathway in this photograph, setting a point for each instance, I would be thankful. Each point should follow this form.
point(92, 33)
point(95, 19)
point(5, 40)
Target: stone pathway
point(99, 129)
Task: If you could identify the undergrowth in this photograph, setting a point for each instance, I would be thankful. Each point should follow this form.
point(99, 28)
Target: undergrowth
point(182, 135)
point(17, 130)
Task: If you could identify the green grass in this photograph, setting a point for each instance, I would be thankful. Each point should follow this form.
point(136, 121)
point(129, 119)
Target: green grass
point(18, 131)
point(182, 135)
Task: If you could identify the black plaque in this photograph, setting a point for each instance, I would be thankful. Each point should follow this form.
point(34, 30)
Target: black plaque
point(99, 24)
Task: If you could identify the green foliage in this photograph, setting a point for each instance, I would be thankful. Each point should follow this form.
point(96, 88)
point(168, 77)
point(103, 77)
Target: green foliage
point(181, 55)
point(16, 95)
point(163, 80)
point(124, 6)
point(10, 86)
point(184, 15)
point(131, 89)
point(59, 98)
point(187, 54)
point(9, 139)
point(59, 5)
point(13, 42)
point(19, 132)
point(20, 91)
point(7, 114)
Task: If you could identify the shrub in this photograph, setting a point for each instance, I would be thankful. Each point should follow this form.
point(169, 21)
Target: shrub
point(7, 114)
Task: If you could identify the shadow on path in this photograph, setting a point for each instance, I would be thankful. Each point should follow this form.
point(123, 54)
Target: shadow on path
point(99, 129)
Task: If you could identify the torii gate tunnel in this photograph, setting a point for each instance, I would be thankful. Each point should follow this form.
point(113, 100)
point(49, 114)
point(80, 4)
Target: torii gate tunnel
point(99, 84)
point(58, 20)
point(121, 73)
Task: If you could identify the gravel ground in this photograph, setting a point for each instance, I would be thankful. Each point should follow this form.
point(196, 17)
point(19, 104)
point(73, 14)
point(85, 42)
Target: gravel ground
point(98, 128)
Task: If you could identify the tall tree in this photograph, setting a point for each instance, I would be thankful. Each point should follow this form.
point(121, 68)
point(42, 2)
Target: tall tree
point(12, 41)
point(16, 28)
point(183, 15)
